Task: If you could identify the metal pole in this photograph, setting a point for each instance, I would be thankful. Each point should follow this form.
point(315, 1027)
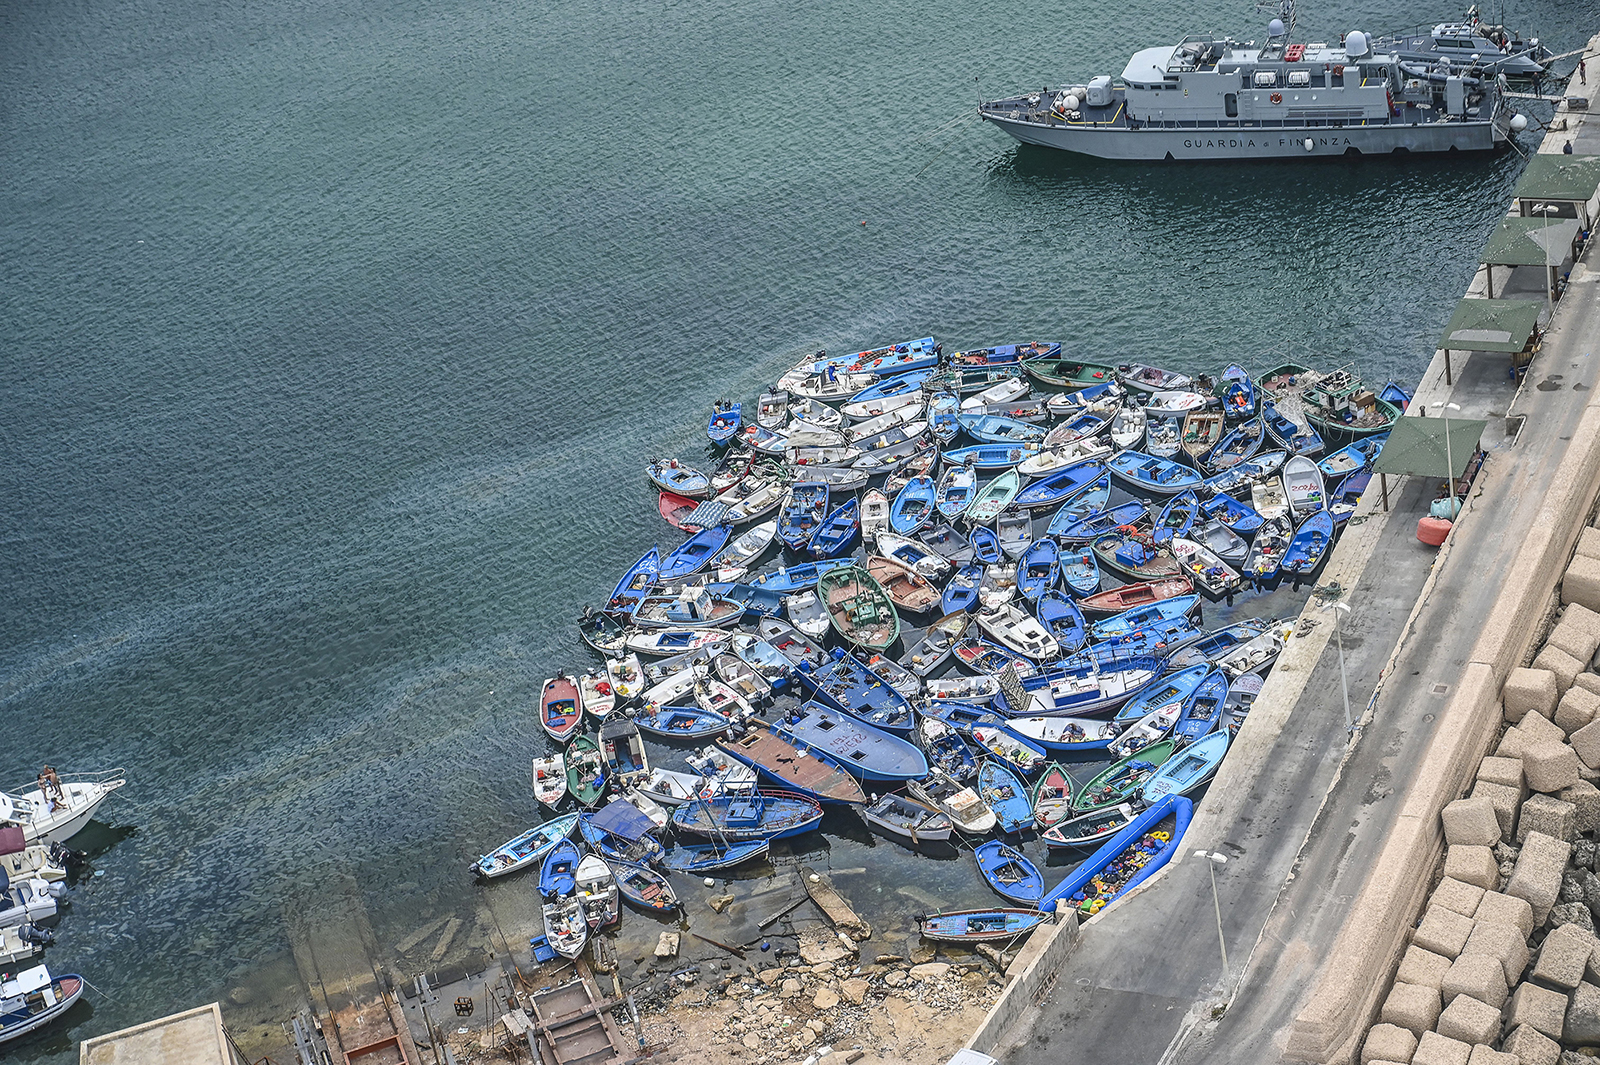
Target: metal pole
point(1344, 684)
point(1222, 943)
point(1450, 463)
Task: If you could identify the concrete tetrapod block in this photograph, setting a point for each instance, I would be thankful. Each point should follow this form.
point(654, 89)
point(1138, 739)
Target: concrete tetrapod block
point(1537, 877)
point(1413, 1007)
point(1543, 1009)
point(1564, 956)
point(1573, 640)
point(1564, 666)
point(1532, 1047)
point(1471, 822)
point(1507, 771)
point(1482, 1055)
point(1388, 1042)
point(1581, 583)
point(1576, 709)
point(1550, 766)
point(1583, 1017)
point(1529, 691)
point(1506, 801)
point(1586, 743)
point(1477, 976)
point(1470, 1021)
point(1502, 941)
point(1457, 895)
point(1496, 907)
point(1550, 815)
point(1585, 800)
point(1436, 1049)
point(1473, 865)
point(1442, 931)
point(1537, 729)
point(1422, 967)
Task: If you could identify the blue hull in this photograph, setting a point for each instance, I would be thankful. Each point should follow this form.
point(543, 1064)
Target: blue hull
point(1173, 806)
point(853, 688)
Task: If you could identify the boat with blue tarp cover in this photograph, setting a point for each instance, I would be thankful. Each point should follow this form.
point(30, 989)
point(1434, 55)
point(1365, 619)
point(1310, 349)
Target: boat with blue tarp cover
point(766, 813)
point(1009, 872)
point(620, 830)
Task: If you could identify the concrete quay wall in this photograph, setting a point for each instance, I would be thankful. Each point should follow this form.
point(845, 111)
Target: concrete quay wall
point(1028, 977)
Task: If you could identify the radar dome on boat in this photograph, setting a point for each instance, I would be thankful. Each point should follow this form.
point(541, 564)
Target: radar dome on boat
point(1275, 27)
point(1355, 44)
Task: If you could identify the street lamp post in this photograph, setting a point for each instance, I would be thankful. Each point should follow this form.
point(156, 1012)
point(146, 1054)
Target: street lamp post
point(1340, 609)
point(1549, 271)
point(1213, 860)
point(1449, 459)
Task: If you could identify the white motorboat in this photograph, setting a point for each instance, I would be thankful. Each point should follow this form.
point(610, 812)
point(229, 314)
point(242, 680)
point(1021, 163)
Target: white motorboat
point(550, 779)
point(33, 998)
point(19, 862)
point(1020, 632)
point(27, 901)
point(596, 891)
point(599, 697)
point(639, 800)
point(627, 677)
point(62, 814)
point(807, 613)
point(22, 942)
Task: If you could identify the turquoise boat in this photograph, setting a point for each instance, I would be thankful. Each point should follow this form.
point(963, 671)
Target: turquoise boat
point(526, 849)
point(997, 429)
point(1189, 768)
point(989, 456)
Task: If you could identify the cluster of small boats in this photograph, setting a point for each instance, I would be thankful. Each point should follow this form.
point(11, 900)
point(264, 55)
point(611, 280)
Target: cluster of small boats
point(930, 587)
point(35, 863)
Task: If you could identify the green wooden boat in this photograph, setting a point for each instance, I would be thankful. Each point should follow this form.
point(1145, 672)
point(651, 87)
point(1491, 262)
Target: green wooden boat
point(1337, 406)
point(1121, 780)
point(586, 770)
point(860, 610)
point(1069, 373)
point(1134, 555)
point(994, 497)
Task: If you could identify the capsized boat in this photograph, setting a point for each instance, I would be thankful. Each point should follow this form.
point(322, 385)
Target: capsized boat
point(1003, 792)
point(908, 822)
point(524, 850)
point(979, 925)
point(764, 814)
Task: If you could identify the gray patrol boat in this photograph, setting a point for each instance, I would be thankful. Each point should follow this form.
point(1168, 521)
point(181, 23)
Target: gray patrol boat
point(1211, 97)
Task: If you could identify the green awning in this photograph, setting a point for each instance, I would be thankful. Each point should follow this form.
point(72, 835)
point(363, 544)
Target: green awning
point(1559, 177)
point(1416, 446)
point(1491, 325)
point(1530, 242)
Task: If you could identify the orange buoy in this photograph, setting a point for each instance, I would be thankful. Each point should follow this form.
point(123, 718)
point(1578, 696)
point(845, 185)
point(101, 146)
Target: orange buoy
point(1432, 531)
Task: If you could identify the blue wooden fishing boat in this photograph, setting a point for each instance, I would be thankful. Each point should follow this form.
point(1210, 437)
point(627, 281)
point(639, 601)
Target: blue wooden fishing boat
point(838, 531)
point(979, 925)
point(1080, 571)
point(754, 598)
point(620, 831)
point(1076, 738)
point(851, 686)
point(1298, 439)
point(1173, 609)
point(1310, 544)
point(1171, 691)
point(1082, 426)
point(1239, 396)
point(556, 875)
point(1189, 768)
point(1240, 477)
point(1239, 445)
point(1156, 639)
point(1126, 860)
point(1088, 683)
point(766, 813)
point(1038, 569)
point(890, 359)
point(942, 409)
point(680, 722)
point(724, 423)
point(913, 506)
point(1009, 872)
point(1343, 499)
point(898, 384)
point(1393, 393)
point(1177, 517)
point(1359, 455)
point(636, 583)
point(526, 849)
point(1203, 711)
point(1101, 522)
point(692, 555)
point(786, 580)
point(802, 513)
point(1003, 792)
point(1214, 646)
point(988, 456)
point(964, 717)
point(1240, 517)
point(868, 753)
point(1064, 621)
point(961, 593)
point(1146, 473)
point(995, 429)
point(1091, 500)
point(1006, 354)
point(946, 750)
point(1061, 486)
point(985, 545)
point(698, 859)
point(643, 886)
point(670, 475)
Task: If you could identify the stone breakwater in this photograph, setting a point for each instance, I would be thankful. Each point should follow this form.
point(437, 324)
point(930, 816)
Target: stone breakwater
point(1503, 966)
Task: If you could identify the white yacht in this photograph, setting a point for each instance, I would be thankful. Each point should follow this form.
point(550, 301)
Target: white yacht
point(60, 815)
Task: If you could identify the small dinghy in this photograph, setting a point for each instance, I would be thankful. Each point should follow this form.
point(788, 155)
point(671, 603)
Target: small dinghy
point(644, 887)
point(1100, 398)
point(837, 531)
point(669, 786)
point(1075, 427)
point(790, 642)
point(1130, 596)
point(1302, 483)
point(28, 900)
point(675, 510)
point(1010, 874)
point(599, 698)
point(1122, 779)
point(1060, 486)
point(929, 653)
point(1052, 796)
point(719, 697)
point(33, 998)
point(772, 409)
point(1309, 546)
point(1038, 569)
point(908, 589)
point(1189, 768)
point(803, 512)
point(1090, 829)
point(954, 799)
point(986, 546)
point(1242, 519)
point(964, 717)
point(1357, 456)
point(586, 771)
point(906, 404)
point(1202, 431)
point(1239, 398)
point(724, 423)
point(1127, 427)
point(1141, 377)
point(699, 859)
point(1216, 645)
point(1221, 541)
point(943, 409)
point(874, 513)
point(763, 814)
point(948, 544)
point(694, 553)
point(1163, 436)
point(604, 631)
point(998, 585)
point(556, 874)
point(806, 409)
point(636, 583)
point(913, 507)
point(670, 475)
point(1062, 618)
point(1241, 697)
point(596, 891)
point(550, 779)
point(906, 822)
point(954, 493)
point(1093, 377)
point(1255, 654)
point(979, 925)
point(526, 849)
point(1343, 499)
point(626, 676)
point(560, 708)
point(1019, 631)
point(1014, 531)
point(1003, 792)
point(993, 497)
point(719, 773)
point(1023, 756)
point(1080, 571)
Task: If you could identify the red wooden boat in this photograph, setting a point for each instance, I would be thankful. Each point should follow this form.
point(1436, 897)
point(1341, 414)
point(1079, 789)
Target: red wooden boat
point(675, 508)
point(1129, 596)
point(560, 707)
point(794, 768)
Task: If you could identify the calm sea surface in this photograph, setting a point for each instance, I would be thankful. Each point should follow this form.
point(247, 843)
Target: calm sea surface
point(333, 339)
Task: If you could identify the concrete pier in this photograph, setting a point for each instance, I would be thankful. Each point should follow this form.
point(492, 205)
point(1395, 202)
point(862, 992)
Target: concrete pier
point(1334, 838)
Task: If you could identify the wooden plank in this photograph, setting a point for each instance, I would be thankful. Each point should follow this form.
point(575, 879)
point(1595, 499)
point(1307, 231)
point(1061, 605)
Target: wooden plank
point(832, 904)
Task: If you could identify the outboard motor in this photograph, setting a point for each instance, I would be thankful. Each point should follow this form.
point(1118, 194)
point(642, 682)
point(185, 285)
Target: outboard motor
point(39, 937)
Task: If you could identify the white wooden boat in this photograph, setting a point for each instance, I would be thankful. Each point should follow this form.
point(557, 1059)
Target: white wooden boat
point(550, 779)
point(914, 553)
point(1127, 427)
point(718, 697)
point(907, 821)
point(936, 643)
point(1014, 530)
point(807, 613)
point(1257, 653)
point(1059, 458)
point(863, 410)
point(957, 801)
point(626, 676)
point(721, 773)
point(998, 586)
point(670, 786)
point(1019, 631)
point(1174, 401)
point(1205, 568)
point(1000, 392)
point(742, 677)
point(747, 548)
point(1302, 483)
point(772, 409)
point(599, 697)
point(640, 800)
point(674, 641)
point(904, 414)
point(669, 690)
point(1149, 729)
point(1269, 499)
point(596, 891)
point(566, 927)
point(956, 687)
point(57, 817)
point(874, 513)
point(806, 409)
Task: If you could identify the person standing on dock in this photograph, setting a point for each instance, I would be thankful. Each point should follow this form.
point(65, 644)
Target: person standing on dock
point(1583, 73)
